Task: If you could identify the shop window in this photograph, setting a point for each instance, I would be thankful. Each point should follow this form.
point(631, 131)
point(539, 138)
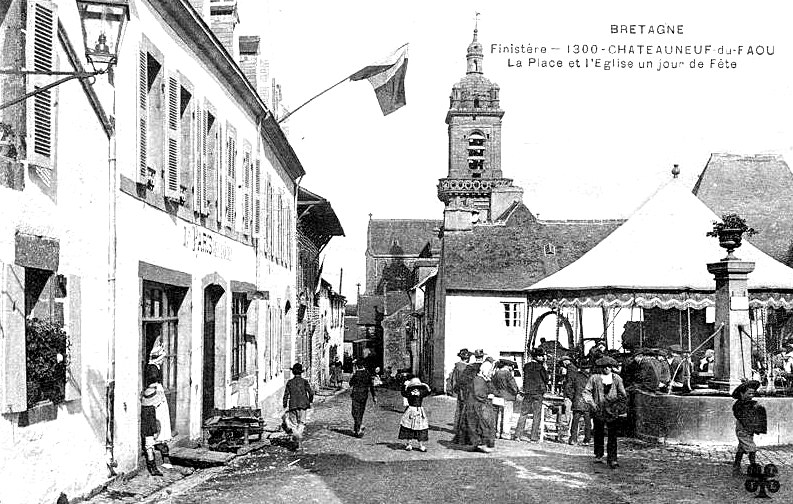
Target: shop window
point(239, 328)
point(513, 314)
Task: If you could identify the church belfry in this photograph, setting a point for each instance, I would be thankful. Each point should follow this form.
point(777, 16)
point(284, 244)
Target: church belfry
point(474, 120)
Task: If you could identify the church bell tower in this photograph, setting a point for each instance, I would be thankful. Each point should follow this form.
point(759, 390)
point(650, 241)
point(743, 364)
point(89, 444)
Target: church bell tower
point(474, 190)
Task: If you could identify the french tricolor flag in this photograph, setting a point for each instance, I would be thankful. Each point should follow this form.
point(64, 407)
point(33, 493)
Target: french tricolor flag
point(388, 79)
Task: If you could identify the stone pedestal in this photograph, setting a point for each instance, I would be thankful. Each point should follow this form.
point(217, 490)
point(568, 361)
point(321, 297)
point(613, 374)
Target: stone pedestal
point(733, 347)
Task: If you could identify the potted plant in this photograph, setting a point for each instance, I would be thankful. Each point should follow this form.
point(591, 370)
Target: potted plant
point(730, 231)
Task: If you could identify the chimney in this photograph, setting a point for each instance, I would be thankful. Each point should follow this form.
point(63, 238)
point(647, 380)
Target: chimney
point(224, 18)
point(250, 61)
point(202, 7)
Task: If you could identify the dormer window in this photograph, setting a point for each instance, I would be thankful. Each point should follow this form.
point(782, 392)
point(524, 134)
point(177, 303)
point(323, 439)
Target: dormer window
point(476, 152)
point(550, 249)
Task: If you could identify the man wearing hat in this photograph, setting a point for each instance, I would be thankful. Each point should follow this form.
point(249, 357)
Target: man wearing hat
point(750, 419)
point(535, 384)
point(605, 394)
point(298, 397)
point(453, 388)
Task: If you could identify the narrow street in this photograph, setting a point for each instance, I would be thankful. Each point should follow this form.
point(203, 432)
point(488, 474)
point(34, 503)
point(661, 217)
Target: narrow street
point(336, 467)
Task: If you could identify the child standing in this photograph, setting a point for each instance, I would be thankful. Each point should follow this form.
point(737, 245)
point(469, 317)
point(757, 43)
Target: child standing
point(750, 419)
point(414, 423)
point(155, 429)
point(362, 385)
point(298, 397)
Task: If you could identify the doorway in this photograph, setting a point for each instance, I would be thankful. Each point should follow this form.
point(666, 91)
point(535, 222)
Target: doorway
point(212, 295)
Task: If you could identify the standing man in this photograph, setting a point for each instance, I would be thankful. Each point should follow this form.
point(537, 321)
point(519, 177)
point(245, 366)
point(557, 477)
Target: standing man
point(505, 390)
point(605, 395)
point(362, 385)
point(535, 384)
point(453, 388)
point(574, 390)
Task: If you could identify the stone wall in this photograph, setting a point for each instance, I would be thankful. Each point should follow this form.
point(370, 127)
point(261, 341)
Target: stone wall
point(705, 419)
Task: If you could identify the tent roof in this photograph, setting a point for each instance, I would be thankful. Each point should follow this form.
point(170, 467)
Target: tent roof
point(663, 247)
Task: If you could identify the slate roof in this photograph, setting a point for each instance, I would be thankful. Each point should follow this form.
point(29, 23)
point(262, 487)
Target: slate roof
point(512, 256)
point(410, 235)
point(760, 189)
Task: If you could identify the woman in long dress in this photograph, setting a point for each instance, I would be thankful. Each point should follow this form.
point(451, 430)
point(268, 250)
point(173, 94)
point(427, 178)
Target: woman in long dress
point(480, 412)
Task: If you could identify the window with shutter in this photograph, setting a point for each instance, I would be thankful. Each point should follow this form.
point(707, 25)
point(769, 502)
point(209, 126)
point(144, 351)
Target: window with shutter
point(199, 158)
point(173, 138)
point(209, 154)
point(257, 199)
point(188, 134)
point(143, 118)
point(40, 56)
point(268, 223)
point(247, 176)
point(231, 177)
point(153, 128)
point(270, 230)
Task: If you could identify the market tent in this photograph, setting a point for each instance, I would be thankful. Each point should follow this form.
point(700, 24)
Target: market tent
point(658, 258)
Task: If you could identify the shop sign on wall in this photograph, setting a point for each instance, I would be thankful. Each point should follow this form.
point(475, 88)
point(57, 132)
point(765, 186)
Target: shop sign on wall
point(202, 241)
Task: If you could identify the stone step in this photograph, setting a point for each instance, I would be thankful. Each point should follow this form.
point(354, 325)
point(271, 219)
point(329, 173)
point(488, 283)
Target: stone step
point(199, 457)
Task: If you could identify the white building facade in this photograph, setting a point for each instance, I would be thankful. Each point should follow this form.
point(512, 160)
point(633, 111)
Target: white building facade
point(196, 247)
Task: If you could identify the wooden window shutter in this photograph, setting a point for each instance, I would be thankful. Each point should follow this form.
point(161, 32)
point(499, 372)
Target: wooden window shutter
point(199, 160)
point(74, 372)
point(40, 56)
point(269, 198)
point(231, 178)
point(173, 138)
point(257, 199)
point(14, 391)
point(220, 173)
point(202, 167)
point(143, 117)
point(247, 167)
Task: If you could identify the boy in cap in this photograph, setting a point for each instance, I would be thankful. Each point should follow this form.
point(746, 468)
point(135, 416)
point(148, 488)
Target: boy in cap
point(750, 419)
point(298, 397)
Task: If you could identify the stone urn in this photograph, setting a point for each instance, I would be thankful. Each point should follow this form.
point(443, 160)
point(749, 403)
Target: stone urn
point(730, 239)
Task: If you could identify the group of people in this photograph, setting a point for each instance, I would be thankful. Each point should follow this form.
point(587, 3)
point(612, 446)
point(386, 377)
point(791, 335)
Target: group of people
point(486, 391)
point(660, 370)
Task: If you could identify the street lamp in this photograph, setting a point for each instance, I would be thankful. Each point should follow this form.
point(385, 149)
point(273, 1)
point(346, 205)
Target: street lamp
point(103, 24)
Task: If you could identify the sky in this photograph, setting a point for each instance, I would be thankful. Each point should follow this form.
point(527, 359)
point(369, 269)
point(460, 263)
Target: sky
point(583, 143)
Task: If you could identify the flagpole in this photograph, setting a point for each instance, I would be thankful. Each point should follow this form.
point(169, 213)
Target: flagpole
point(323, 92)
point(311, 99)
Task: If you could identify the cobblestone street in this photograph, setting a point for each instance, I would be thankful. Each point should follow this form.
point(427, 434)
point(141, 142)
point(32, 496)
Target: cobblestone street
point(334, 466)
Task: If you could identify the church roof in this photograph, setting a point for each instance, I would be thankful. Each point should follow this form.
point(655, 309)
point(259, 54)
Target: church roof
point(404, 237)
point(760, 189)
point(512, 255)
